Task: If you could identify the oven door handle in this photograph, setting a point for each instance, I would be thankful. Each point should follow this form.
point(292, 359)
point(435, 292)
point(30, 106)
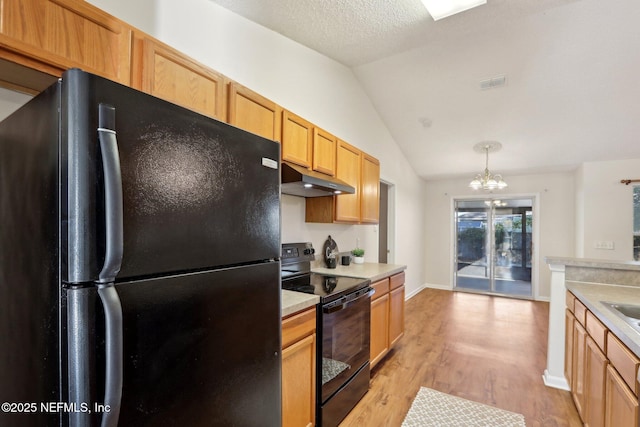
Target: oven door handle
point(345, 302)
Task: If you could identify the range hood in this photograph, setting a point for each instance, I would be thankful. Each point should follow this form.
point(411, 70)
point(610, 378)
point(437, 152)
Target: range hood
point(298, 181)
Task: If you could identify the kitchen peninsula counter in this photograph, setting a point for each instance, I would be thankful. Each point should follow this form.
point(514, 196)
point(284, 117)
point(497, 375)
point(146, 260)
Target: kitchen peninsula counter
point(593, 294)
point(591, 281)
point(369, 270)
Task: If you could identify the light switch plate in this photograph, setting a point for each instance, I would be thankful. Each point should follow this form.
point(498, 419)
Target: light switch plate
point(604, 244)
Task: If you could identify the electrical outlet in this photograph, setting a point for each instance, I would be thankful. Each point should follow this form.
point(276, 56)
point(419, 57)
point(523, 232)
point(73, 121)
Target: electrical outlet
point(604, 244)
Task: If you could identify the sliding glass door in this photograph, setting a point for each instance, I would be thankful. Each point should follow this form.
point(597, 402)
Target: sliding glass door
point(493, 246)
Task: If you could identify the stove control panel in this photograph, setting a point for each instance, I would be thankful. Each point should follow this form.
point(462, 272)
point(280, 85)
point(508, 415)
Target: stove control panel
point(298, 251)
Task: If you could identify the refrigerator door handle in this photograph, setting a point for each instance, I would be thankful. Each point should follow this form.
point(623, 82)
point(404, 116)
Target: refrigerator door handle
point(114, 248)
point(113, 354)
point(113, 194)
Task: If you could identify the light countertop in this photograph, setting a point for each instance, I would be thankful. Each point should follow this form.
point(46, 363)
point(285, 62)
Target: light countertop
point(594, 263)
point(592, 295)
point(368, 270)
point(292, 302)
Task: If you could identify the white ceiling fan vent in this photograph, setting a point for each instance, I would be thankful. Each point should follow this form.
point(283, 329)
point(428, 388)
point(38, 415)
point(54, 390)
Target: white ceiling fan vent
point(493, 83)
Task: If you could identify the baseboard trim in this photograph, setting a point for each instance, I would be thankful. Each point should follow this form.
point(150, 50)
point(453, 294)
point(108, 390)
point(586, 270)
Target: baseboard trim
point(438, 286)
point(555, 382)
point(414, 293)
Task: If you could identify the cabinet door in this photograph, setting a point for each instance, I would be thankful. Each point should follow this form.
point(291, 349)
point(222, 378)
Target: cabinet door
point(297, 139)
point(568, 347)
point(65, 34)
point(324, 152)
point(164, 72)
point(578, 374)
point(396, 315)
point(370, 190)
point(621, 404)
point(298, 383)
point(254, 113)
point(379, 328)
point(348, 170)
point(595, 368)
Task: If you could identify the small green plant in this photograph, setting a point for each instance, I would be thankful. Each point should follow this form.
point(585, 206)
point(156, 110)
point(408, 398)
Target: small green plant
point(357, 252)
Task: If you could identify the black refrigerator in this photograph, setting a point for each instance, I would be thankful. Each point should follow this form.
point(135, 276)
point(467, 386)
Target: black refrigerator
point(139, 264)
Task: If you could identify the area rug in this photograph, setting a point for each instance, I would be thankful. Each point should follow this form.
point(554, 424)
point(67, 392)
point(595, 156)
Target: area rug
point(433, 408)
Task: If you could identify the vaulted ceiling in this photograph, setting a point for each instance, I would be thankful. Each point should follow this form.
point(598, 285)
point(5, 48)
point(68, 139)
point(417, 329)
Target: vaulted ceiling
point(572, 67)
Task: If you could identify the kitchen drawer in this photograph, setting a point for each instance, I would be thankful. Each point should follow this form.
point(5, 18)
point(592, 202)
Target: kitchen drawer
point(597, 330)
point(381, 287)
point(396, 280)
point(624, 361)
point(298, 326)
point(570, 301)
point(580, 311)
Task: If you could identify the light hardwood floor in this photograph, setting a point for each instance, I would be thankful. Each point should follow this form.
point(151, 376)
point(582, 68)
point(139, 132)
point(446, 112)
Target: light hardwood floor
point(482, 348)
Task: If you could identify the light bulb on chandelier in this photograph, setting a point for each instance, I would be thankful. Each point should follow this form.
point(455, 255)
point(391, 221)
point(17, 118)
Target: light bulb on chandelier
point(487, 181)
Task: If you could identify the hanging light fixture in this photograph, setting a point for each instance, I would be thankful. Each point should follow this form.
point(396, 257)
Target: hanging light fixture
point(487, 181)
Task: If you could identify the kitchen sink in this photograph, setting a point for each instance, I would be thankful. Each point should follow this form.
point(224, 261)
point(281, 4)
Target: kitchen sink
point(630, 313)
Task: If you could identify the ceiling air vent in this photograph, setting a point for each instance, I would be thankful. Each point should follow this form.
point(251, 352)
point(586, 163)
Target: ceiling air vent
point(493, 83)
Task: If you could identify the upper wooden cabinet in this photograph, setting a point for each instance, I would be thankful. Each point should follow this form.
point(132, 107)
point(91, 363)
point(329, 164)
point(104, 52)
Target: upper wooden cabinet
point(40, 39)
point(307, 145)
point(297, 139)
point(348, 167)
point(168, 74)
point(253, 112)
point(370, 190)
point(54, 35)
point(324, 152)
point(361, 171)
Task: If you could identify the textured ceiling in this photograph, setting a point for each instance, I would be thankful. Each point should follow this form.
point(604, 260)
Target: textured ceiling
point(355, 32)
point(571, 67)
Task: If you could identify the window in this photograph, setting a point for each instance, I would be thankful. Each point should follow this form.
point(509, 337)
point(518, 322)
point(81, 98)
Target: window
point(636, 223)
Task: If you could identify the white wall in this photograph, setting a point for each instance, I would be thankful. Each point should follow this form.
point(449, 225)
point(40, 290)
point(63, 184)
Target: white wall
point(555, 221)
point(10, 101)
point(309, 84)
point(606, 208)
point(139, 13)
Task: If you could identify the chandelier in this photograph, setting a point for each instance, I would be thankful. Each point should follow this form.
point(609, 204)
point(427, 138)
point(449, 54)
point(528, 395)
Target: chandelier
point(487, 181)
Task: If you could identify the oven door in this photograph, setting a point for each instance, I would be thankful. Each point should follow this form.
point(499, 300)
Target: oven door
point(345, 340)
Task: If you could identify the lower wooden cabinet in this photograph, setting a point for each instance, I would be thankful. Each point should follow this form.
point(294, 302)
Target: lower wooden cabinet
point(603, 372)
point(396, 308)
point(596, 365)
point(621, 408)
point(299, 369)
point(379, 327)
point(568, 346)
point(387, 316)
point(578, 371)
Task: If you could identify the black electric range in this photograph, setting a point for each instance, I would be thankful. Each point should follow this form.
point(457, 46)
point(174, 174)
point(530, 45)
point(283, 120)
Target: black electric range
point(297, 276)
point(343, 332)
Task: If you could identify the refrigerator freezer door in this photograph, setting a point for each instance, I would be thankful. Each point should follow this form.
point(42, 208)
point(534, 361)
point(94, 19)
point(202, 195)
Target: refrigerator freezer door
point(203, 349)
point(29, 247)
point(197, 193)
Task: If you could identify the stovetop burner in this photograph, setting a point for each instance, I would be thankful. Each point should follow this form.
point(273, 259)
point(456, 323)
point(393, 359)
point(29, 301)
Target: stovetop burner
point(328, 288)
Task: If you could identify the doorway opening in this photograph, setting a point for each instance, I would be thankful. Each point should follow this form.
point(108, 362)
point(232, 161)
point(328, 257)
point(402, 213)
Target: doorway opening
point(494, 246)
point(386, 224)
